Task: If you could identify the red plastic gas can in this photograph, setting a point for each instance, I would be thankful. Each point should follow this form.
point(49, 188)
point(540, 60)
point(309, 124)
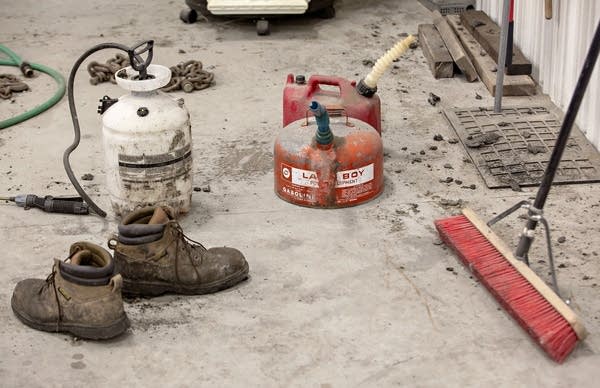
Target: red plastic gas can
point(298, 93)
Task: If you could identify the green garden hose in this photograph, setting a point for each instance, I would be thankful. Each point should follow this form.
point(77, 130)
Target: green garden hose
point(27, 69)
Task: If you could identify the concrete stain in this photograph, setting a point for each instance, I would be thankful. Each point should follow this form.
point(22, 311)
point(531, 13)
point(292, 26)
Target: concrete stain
point(288, 242)
point(78, 365)
point(71, 230)
point(178, 138)
point(75, 342)
point(242, 161)
point(165, 42)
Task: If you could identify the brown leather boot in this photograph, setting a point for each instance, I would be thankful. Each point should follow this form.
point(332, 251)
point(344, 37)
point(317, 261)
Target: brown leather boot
point(82, 297)
point(154, 257)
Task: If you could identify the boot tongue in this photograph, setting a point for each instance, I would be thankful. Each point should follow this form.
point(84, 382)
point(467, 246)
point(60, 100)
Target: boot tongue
point(85, 257)
point(159, 217)
point(77, 257)
point(90, 265)
point(147, 228)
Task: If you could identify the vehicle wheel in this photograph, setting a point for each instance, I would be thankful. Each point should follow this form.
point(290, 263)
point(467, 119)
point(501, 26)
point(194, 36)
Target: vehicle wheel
point(188, 15)
point(327, 12)
point(262, 27)
point(200, 6)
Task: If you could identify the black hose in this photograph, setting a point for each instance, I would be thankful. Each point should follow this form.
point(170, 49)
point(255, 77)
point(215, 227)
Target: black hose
point(76, 128)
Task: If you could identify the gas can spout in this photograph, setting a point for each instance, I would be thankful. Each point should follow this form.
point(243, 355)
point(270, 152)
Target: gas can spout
point(324, 135)
point(368, 85)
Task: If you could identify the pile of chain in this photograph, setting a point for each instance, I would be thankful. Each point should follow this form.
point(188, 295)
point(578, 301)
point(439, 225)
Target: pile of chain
point(104, 72)
point(9, 84)
point(187, 76)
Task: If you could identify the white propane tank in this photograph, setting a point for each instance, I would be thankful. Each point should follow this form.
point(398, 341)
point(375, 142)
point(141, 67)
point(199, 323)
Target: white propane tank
point(147, 145)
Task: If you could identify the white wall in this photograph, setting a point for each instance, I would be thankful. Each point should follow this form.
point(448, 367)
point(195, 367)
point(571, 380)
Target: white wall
point(557, 48)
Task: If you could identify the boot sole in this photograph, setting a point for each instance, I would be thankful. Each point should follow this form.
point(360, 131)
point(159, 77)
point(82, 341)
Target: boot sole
point(81, 331)
point(137, 288)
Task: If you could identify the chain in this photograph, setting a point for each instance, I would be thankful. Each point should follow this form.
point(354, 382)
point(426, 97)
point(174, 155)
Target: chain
point(9, 84)
point(104, 72)
point(187, 76)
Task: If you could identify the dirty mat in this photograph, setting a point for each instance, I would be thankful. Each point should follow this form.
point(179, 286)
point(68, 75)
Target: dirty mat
point(512, 148)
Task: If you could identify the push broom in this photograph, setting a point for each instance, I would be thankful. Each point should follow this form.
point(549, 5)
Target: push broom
point(533, 304)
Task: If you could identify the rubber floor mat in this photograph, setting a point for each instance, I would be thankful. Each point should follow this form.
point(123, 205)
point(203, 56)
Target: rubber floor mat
point(512, 148)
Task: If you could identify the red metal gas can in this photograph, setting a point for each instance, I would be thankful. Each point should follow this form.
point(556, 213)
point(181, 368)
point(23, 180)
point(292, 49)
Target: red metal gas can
point(298, 93)
point(337, 166)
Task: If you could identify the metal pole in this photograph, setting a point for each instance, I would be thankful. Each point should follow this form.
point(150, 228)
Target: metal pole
point(561, 143)
point(501, 58)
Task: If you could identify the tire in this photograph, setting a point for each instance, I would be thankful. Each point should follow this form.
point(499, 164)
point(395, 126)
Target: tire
point(327, 12)
point(200, 6)
point(262, 27)
point(188, 15)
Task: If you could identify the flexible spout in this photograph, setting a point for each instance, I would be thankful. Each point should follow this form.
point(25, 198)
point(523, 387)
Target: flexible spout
point(368, 85)
point(324, 135)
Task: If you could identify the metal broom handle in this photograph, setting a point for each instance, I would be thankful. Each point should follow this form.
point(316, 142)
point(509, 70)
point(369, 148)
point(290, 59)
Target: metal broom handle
point(561, 142)
point(501, 58)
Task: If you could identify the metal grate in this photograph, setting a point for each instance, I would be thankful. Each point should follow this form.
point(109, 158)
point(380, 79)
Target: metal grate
point(449, 7)
point(513, 147)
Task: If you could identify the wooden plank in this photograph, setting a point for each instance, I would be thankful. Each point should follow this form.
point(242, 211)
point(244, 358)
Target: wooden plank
point(435, 51)
point(487, 33)
point(514, 85)
point(528, 274)
point(456, 51)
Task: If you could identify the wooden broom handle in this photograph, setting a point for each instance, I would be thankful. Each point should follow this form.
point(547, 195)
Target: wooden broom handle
point(548, 9)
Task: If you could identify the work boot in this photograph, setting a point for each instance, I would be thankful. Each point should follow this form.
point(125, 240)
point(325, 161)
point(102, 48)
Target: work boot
point(81, 297)
point(155, 257)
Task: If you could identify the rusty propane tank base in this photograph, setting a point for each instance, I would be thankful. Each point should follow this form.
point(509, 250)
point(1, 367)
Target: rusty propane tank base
point(328, 165)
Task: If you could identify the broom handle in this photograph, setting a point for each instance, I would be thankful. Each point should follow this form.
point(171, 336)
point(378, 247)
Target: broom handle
point(501, 58)
point(561, 142)
point(511, 27)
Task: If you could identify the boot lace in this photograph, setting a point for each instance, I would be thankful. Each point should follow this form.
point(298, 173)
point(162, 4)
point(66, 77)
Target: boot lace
point(50, 281)
point(188, 247)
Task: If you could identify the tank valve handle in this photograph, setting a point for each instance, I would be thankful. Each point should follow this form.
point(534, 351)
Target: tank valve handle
point(368, 86)
point(324, 135)
point(138, 63)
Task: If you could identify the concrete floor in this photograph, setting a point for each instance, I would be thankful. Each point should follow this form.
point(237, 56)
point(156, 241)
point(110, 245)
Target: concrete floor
point(354, 297)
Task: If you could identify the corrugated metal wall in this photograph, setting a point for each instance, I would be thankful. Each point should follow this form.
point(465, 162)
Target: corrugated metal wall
point(557, 48)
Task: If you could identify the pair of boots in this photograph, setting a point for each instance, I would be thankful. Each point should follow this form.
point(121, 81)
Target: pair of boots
point(152, 256)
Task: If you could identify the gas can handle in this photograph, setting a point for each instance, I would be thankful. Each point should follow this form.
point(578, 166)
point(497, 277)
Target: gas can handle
point(315, 80)
point(342, 112)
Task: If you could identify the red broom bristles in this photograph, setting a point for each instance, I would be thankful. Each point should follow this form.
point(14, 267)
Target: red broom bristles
point(514, 292)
